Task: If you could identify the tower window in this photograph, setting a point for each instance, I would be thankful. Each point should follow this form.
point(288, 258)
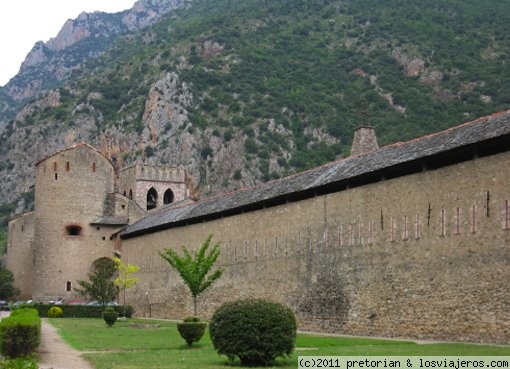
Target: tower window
point(56, 176)
point(68, 166)
point(74, 230)
point(152, 198)
point(94, 166)
point(168, 197)
point(69, 286)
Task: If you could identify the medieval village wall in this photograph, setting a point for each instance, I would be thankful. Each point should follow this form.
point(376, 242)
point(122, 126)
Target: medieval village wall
point(20, 253)
point(420, 256)
point(71, 190)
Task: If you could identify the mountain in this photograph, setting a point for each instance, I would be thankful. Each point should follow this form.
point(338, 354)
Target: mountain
point(87, 37)
point(240, 92)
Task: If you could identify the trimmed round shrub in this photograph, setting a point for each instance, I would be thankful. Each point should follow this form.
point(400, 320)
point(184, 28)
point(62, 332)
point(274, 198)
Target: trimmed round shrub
point(191, 329)
point(110, 316)
point(55, 312)
point(255, 331)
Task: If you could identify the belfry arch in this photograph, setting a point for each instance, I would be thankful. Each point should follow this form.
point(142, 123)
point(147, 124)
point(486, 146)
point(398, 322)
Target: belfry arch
point(152, 198)
point(168, 197)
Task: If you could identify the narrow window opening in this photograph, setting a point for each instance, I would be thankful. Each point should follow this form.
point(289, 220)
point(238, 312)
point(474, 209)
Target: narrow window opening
point(393, 230)
point(473, 220)
point(487, 204)
point(130, 194)
point(55, 166)
point(123, 206)
point(93, 166)
point(405, 231)
point(68, 166)
point(442, 223)
point(506, 215)
point(457, 228)
point(68, 286)
point(417, 227)
point(56, 176)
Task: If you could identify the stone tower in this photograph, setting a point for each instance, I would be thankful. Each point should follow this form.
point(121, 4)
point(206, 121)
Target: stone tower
point(71, 188)
point(152, 186)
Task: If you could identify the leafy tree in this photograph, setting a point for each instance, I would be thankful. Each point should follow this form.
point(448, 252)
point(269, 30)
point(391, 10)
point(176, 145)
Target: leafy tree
point(124, 281)
point(7, 290)
point(100, 286)
point(194, 267)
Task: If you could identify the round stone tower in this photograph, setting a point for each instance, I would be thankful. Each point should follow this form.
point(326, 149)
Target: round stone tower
point(71, 189)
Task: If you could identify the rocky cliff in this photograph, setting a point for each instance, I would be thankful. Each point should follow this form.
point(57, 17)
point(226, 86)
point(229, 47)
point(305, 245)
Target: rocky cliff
point(80, 40)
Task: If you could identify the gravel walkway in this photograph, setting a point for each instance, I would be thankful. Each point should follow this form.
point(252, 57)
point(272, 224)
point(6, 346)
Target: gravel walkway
point(54, 353)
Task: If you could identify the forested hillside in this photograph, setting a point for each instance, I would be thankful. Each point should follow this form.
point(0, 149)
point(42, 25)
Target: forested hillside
point(240, 92)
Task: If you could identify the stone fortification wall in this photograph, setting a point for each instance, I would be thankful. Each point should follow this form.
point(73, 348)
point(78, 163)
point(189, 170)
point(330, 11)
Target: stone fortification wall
point(20, 253)
point(71, 188)
point(420, 256)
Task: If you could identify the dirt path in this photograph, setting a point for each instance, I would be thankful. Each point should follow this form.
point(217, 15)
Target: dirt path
point(54, 353)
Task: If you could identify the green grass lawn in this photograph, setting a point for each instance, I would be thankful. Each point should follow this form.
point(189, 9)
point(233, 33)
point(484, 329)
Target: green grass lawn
point(124, 347)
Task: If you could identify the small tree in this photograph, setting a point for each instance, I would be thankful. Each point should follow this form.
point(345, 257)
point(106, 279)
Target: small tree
point(100, 285)
point(194, 267)
point(124, 281)
point(7, 289)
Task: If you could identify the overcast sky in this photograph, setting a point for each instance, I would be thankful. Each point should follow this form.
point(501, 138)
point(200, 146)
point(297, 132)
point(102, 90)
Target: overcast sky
point(24, 22)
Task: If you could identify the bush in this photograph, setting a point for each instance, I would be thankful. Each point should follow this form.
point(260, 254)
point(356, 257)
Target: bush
point(20, 333)
point(82, 311)
point(110, 316)
point(55, 312)
point(255, 331)
point(20, 363)
point(191, 329)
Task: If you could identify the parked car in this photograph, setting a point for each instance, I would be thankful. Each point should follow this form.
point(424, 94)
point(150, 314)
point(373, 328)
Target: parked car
point(4, 305)
point(19, 303)
point(97, 303)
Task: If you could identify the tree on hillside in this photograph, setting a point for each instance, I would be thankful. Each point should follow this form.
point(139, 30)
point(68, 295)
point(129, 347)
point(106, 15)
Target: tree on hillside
point(100, 286)
point(194, 267)
point(123, 280)
point(7, 290)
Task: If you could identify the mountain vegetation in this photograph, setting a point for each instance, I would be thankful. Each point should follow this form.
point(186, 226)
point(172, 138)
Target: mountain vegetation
point(241, 92)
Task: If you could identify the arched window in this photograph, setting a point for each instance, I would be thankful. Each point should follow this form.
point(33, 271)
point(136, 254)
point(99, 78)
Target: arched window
point(73, 230)
point(152, 198)
point(168, 197)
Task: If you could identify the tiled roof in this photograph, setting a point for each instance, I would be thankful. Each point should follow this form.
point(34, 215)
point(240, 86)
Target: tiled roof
point(434, 145)
point(110, 220)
